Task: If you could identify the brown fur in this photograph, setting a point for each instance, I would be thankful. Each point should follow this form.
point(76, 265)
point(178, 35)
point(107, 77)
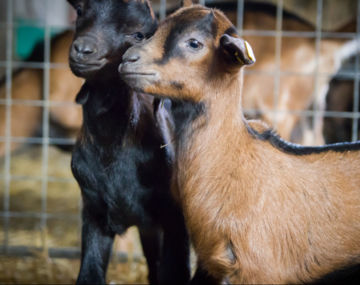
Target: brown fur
point(255, 213)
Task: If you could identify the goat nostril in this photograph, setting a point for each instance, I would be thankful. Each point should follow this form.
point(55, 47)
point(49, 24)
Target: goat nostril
point(132, 58)
point(84, 48)
point(88, 50)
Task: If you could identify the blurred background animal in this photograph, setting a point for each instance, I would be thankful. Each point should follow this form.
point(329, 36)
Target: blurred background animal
point(28, 87)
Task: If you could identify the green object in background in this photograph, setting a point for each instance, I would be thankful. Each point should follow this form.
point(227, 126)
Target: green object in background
point(27, 36)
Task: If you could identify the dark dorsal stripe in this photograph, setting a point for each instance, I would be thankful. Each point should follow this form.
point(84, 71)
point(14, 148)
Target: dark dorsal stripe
point(291, 148)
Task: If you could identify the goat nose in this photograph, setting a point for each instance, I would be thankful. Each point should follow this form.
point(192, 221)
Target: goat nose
point(84, 47)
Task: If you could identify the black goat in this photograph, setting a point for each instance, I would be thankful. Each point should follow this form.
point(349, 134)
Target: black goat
point(123, 172)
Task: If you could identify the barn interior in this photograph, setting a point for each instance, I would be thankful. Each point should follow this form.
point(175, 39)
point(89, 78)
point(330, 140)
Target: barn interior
point(305, 84)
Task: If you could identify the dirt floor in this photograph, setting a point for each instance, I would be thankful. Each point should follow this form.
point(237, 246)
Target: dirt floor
point(62, 228)
point(62, 199)
point(42, 270)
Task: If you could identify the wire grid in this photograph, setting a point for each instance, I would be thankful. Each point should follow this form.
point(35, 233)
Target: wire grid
point(8, 123)
point(45, 103)
point(355, 124)
point(41, 215)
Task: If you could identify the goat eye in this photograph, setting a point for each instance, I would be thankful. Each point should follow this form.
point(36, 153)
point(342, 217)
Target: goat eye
point(78, 10)
point(194, 44)
point(139, 36)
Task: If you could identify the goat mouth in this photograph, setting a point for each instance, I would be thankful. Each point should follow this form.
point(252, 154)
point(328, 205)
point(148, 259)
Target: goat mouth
point(138, 80)
point(137, 74)
point(84, 68)
point(133, 75)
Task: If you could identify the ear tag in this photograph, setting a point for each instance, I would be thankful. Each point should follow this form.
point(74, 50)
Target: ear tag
point(238, 57)
point(249, 51)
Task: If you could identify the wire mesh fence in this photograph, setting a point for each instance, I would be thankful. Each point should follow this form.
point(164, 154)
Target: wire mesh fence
point(40, 200)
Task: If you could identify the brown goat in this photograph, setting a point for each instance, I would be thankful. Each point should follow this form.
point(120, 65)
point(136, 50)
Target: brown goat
point(258, 209)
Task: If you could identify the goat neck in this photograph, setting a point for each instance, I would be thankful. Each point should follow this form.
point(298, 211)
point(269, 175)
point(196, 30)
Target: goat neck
point(109, 109)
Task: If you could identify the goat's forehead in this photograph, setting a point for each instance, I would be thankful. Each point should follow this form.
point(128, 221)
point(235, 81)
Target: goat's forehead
point(119, 1)
point(116, 6)
point(133, 14)
point(194, 21)
point(199, 19)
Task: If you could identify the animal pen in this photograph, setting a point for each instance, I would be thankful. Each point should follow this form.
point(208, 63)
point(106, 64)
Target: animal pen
point(305, 84)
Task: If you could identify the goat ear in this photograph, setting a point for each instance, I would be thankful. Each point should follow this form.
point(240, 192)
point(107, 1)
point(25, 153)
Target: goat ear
point(237, 50)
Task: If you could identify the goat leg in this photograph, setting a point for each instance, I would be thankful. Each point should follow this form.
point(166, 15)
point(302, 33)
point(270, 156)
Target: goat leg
point(175, 260)
point(95, 251)
point(151, 240)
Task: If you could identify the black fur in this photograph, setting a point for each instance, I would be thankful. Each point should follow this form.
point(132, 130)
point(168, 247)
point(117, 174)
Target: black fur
point(349, 275)
point(184, 113)
point(123, 172)
point(231, 31)
point(270, 136)
point(177, 85)
point(111, 27)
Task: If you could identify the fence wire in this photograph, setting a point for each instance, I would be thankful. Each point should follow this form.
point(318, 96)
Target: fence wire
point(10, 63)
